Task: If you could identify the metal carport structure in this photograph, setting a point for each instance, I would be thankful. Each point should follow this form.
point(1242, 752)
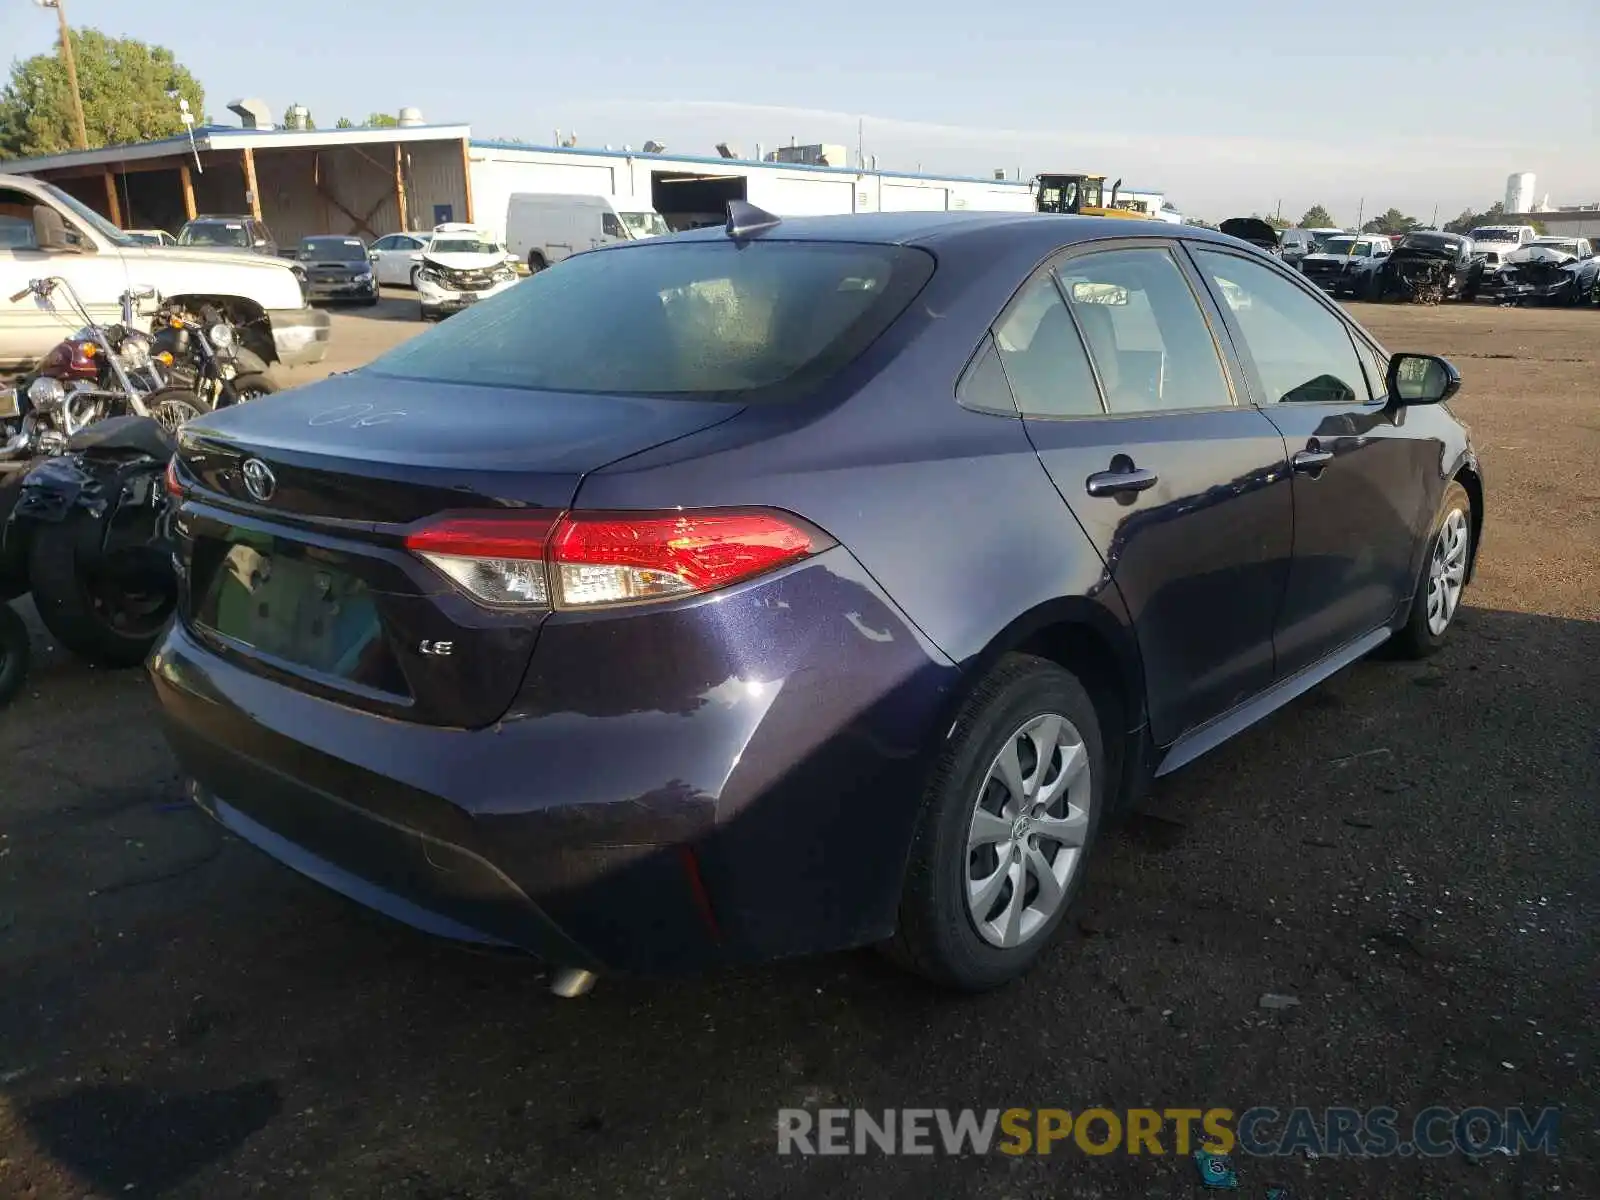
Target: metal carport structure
point(365, 182)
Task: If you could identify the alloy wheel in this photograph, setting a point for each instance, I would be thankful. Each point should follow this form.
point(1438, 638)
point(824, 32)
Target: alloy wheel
point(1447, 572)
point(1029, 824)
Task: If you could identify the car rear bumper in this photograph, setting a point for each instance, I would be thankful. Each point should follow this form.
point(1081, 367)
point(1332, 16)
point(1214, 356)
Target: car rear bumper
point(725, 802)
point(299, 335)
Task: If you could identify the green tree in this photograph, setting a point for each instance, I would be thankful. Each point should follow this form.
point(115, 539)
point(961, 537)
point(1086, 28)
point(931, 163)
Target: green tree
point(344, 123)
point(379, 120)
point(1392, 222)
point(1495, 214)
point(1199, 222)
point(288, 118)
point(1272, 219)
point(1316, 217)
point(124, 85)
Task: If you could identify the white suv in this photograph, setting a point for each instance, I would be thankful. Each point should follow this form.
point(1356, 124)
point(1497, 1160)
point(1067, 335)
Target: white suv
point(461, 266)
point(1493, 242)
point(44, 231)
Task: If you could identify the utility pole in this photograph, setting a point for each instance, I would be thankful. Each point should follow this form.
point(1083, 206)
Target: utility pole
point(1360, 209)
point(72, 69)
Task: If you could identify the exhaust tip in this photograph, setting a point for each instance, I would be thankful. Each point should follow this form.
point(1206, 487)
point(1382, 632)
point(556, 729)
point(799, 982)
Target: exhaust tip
point(570, 983)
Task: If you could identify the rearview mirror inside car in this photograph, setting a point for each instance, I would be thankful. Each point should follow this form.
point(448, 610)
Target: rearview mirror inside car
point(1421, 379)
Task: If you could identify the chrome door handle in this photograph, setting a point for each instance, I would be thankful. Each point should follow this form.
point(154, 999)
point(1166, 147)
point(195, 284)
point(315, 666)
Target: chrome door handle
point(1311, 460)
point(1115, 483)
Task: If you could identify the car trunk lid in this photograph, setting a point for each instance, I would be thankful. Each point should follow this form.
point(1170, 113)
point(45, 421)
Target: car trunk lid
point(292, 534)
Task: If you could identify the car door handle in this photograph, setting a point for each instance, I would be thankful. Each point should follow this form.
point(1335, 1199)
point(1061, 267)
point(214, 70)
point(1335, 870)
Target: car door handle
point(1117, 483)
point(1312, 460)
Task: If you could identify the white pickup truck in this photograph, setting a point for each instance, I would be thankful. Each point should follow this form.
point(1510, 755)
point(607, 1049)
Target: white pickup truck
point(262, 297)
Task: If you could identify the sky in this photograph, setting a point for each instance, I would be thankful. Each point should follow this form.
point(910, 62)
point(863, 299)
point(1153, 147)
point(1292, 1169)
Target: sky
point(1231, 107)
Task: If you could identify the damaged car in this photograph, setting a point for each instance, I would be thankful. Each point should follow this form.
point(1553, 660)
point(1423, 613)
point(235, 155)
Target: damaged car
point(1255, 231)
point(1347, 265)
point(1430, 268)
point(1546, 271)
point(461, 266)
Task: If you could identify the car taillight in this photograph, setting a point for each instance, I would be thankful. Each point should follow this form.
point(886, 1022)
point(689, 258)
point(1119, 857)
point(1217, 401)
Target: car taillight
point(174, 484)
point(587, 560)
point(496, 557)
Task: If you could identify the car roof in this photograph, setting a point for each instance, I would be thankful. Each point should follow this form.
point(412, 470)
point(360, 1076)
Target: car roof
point(932, 230)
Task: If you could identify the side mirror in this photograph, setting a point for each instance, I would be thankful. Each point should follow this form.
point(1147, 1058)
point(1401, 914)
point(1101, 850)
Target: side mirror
point(49, 230)
point(372, 255)
point(1421, 379)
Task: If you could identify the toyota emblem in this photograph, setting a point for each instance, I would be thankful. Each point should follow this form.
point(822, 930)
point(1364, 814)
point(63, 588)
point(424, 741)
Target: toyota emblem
point(259, 480)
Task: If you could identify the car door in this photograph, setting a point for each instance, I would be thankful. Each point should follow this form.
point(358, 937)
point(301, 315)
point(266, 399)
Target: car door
point(1117, 366)
point(1360, 476)
point(29, 327)
point(378, 253)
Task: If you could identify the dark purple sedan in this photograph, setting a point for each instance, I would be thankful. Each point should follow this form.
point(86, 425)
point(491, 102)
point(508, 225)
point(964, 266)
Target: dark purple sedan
point(797, 585)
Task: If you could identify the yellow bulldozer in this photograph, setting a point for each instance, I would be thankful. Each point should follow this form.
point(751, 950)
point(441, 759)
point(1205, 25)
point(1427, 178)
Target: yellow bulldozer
point(1085, 196)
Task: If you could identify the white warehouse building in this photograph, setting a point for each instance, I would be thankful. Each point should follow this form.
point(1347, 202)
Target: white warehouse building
point(689, 191)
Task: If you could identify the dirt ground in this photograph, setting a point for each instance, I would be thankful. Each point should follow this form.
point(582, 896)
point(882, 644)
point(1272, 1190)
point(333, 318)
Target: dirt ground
point(1410, 851)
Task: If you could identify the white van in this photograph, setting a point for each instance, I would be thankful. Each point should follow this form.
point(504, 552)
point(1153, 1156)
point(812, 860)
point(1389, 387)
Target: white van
point(542, 228)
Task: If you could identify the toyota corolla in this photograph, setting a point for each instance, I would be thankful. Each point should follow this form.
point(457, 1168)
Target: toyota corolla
point(797, 585)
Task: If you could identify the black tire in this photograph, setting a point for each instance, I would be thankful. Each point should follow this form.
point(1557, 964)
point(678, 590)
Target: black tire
point(89, 612)
point(15, 653)
point(425, 315)
point(371, 301)
point(172, 406)
point(536, 262)
point(243, 388)
point(1417, 637)
point(937, 935)
point(415, 271)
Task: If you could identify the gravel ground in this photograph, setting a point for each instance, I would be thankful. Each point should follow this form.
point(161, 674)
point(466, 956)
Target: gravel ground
point(1410, 851)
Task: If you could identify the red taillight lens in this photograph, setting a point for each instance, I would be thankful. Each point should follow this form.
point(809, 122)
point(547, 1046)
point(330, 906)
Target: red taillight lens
point(615, 558)
point(174, 484)
point(584, 560)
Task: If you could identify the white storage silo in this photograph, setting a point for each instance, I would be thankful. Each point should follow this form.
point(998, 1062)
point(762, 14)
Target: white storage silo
point(1519, 192)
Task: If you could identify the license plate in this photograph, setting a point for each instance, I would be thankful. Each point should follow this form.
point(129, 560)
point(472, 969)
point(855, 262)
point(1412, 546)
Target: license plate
point(293, 608)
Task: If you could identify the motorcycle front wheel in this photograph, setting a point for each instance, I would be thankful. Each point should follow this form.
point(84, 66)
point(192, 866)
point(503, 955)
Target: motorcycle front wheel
point(14, 653)
point(173, 406)
point(105, 608)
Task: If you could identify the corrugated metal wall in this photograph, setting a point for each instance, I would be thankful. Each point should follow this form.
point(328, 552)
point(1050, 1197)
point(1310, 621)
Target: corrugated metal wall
point(351, 189)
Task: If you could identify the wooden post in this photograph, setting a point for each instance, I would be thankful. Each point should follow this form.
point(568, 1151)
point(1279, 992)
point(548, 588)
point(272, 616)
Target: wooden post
point(189, 212)
point(113, 208)
point(400, 188)
point(250, 182)
point(466, 176)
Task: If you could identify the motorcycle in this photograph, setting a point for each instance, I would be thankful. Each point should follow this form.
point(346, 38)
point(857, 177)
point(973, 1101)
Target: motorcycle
point(100, 371)
point(206, 359)
point(84, 532)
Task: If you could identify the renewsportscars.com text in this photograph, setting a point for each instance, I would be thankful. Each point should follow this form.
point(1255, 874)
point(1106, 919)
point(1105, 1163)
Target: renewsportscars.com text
point(1260, 1131)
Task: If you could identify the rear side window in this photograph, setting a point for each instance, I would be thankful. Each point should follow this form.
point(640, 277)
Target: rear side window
point(700, 319)
point(1043, 355)
point(1149, 340)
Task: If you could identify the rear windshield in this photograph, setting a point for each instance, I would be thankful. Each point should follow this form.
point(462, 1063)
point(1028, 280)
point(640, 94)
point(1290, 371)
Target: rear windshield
point(335, 249)
point(214, 233)
point(674, 318)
